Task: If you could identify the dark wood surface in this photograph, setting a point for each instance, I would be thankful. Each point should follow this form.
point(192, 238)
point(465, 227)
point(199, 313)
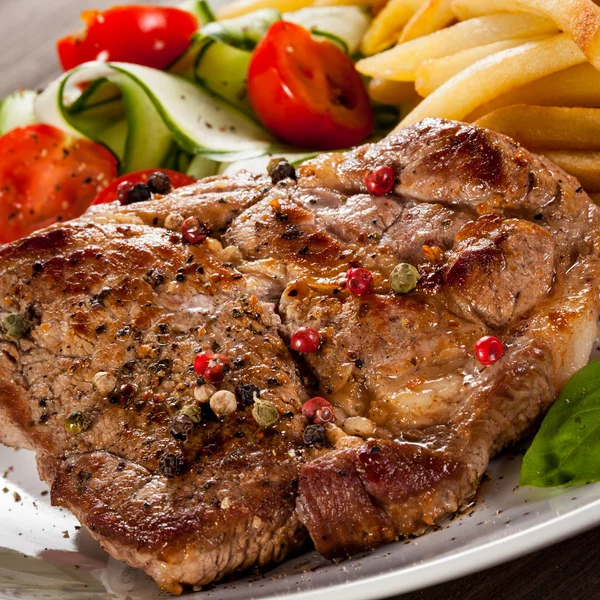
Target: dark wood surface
point(567, 571)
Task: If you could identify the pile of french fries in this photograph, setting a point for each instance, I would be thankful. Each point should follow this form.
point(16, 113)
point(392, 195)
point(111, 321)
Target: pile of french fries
point(526, 68)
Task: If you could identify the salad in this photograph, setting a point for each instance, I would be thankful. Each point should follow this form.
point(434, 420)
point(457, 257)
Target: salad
point(149, 88)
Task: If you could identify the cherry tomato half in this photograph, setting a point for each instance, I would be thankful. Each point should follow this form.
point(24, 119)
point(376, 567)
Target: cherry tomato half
point(307, 92)
point(110, 193)
point(145, 35)
point(48, 176)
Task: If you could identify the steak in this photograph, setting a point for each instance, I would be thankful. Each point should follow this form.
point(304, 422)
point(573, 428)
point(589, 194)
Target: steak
point(117, 306)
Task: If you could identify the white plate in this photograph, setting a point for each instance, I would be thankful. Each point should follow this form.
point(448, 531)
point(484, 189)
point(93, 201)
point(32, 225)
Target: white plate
point(38, 561)
point(44, 556)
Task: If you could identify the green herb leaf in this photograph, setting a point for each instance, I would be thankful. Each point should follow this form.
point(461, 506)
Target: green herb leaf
point(566, 450)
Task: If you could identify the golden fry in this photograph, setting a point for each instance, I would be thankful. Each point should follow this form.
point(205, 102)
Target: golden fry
point(495, 75)
point(432, 74)
point(401, 63)
point(580, 19)
point(392, 93)
point(585, 166)
point(237, 8)
point(375, 6)
point(577, 86)
point(469, 9)
point(549, 127)
point(432, 16)
point(388, 24)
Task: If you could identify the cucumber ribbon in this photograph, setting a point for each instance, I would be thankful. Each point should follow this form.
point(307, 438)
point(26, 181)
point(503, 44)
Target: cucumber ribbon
point(155, 113)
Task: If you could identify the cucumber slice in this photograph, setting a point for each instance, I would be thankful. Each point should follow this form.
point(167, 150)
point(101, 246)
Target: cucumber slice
point(197, 120)
point(202, 167)
point(200, 9)
point(347, 24)
point(177, 160)
point(223, 70)
point(96, 94)
point(17, 110)
point(228, 157)
point(161, 109)
point(185, 66)
point(148, 140)
point(258, 164)
point(242, 32)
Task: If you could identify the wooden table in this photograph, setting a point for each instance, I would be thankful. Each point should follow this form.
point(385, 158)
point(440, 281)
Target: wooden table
point(567, 571)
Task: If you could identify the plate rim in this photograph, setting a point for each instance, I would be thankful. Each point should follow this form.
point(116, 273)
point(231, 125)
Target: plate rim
point(460, 564)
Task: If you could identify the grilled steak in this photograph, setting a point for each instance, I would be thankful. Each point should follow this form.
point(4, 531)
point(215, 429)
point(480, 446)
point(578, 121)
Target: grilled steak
point(115, 308)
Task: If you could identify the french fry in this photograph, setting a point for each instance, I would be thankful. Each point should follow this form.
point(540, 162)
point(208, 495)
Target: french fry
point(549, 127)
point(577, 86)
point(469, 9)
point(580, 19)
point(392, 93)
point(376, 6)
point(237, 8)
point(432, 16)
point(585, 166)
point(401, 63)
point(495, 75)
point(432, 74)
point(388, 24)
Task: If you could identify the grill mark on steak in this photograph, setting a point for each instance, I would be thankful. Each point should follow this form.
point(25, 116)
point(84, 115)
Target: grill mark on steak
point(498, 250)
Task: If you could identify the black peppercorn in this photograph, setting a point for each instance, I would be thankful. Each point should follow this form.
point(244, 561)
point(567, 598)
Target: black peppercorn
point(171, 465)
point(155, 278)
point(246, 393)
point(181, 425)
point(280, 169)
point(159, 183)
point(140, 192)
point(315, 435)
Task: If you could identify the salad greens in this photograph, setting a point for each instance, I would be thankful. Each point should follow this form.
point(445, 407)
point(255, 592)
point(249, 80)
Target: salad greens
point(194, 116)
point(242, 32)
point(566, 450)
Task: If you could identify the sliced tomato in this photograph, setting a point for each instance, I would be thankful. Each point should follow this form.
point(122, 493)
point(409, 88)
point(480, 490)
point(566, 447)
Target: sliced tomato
point(110, 193)
point(145, 35)
point(48, 176)
point(307, 92)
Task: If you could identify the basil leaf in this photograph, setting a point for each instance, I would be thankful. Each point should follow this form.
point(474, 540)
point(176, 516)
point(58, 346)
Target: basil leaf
point(566, 450)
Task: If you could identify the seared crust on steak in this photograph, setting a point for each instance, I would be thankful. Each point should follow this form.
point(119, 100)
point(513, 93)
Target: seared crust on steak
point(506, 244)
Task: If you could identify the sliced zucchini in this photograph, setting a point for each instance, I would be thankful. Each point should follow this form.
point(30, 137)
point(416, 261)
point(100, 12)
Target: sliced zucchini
point(201, 167)
point(229, 157)
point(17, 110)
point(345, 25)
point(200, 9)
point(242, 32)
point(161, 109)
point(149, 139)
point(198, 121)
point(223, 69)
point(96, 94)
point(258, 164)
point(185, 66)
